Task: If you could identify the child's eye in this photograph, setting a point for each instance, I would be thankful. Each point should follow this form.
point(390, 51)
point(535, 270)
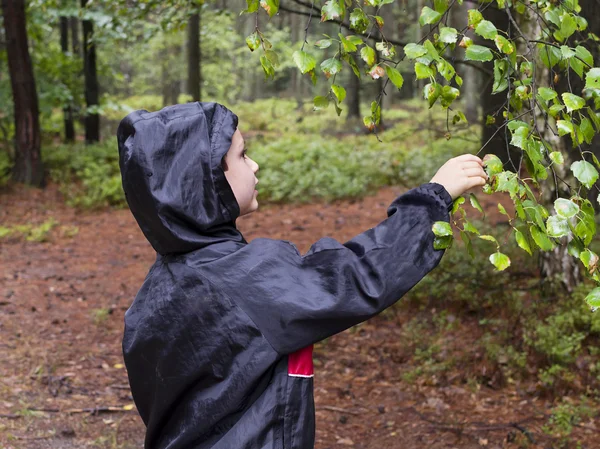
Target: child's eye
point(245, 154)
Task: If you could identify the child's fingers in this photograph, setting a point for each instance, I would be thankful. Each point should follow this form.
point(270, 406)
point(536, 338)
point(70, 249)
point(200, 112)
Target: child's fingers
point(474, 171)
point(476, 181)
point(469, 157)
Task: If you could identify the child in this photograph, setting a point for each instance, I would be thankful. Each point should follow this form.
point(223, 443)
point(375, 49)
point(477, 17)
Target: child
point(218, 341)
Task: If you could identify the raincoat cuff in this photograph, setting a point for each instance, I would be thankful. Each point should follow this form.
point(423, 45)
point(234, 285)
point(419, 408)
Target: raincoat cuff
point(440, 193)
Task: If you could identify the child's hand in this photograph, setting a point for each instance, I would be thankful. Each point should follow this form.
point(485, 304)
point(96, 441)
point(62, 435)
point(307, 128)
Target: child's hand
point(460, 174)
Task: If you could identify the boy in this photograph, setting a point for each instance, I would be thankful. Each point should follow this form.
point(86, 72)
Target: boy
point(218, 341)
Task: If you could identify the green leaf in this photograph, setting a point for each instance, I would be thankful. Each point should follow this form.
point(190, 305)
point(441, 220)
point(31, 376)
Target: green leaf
point(593, 298)
point(584, 54)
point(304, 61)
point(549, 55)
point(339, 92)
point(368, 55)
point(522, 241)
point(573, 102)
point(589, 259)
point(470, 228)
point(592, 79)
point(320, 102)
point(478, 53)
point(557, 157)
point(449, 94)
point(467, 241)
point(502, 210)
point(414, 51)
point(587, 130)
point(448, 35)
point(489, 238)
point(567, 52)
point(492, 164)
point(456, 204)
point(429, 16)
point(267, 66)
point(557, 226)
point(323, 43)
point(440, 243)
point(475, 203)
point(500, 78)
point(331, 66)
point(352, 63)
point(500, 261)
point(486, 29)
point(432, 92)
point(423, 71)
point(442, 229)
point(567, 27)
point(474, 17)
point(547, 94)
point(394, 76)
point(252, 6)
point(504, 45)
point(331, 10)
point(585, 173)
point(253, 41)
point(271, 6)
point(440, 6)
point(564, 127)
point(520, 136)
point(540, 238)
point(359, 20)
point(445, 69)
point(577, 66)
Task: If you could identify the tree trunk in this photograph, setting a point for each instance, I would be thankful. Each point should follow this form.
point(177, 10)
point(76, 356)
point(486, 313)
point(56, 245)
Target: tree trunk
point(92, 121)
point(353, 98)
point(67, 110)
point(194, 55)
point(28, 166)
point(76, 46)
point(491, 104)
point(470, 91)
point(558, 264)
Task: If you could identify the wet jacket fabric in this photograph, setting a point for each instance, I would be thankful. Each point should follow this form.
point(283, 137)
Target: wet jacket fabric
point(218, 341)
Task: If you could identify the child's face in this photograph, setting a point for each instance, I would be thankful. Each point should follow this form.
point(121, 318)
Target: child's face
point(241, 174)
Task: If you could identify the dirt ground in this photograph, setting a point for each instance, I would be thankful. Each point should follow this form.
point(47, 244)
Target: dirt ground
point(62, 380)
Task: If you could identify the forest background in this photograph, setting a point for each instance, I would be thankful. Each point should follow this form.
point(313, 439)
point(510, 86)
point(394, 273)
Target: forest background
point(523, 335)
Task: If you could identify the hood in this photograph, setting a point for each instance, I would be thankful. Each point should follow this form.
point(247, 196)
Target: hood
point(170, 164)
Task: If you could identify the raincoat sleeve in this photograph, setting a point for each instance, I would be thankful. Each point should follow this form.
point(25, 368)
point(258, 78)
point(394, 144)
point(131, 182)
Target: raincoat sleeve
point(298, 300)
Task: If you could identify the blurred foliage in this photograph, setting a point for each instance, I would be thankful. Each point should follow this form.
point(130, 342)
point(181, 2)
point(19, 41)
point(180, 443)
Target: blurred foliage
point(333, 163)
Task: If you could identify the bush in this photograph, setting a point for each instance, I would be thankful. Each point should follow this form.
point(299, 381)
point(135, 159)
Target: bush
point(88, 175)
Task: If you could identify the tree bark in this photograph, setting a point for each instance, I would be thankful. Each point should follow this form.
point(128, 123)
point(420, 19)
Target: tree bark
point(28, 166)
point(67, 110)
point(76, 46)
point(558, 264)
point(490, 103)
point(353, 97)
point(92, 121)
point(194, 56)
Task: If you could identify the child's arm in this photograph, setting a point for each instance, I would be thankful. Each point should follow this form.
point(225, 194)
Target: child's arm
point(298, 300)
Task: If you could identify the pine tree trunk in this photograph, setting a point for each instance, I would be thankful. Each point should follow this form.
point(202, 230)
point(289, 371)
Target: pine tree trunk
point(28, 166)
point(92, 121)
point(193, 50)
point(67, 110)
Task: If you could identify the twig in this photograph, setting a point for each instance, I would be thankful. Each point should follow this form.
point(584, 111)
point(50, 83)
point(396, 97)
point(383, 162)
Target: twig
point(340, 410)
point(93, 411)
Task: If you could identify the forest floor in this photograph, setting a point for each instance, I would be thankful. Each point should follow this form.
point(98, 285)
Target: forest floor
point(62, 380)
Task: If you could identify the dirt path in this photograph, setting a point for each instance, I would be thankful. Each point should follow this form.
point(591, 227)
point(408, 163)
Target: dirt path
point(61, 311)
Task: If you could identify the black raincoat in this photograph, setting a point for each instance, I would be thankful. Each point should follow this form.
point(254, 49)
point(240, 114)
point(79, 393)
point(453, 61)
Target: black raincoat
point(218, 341)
